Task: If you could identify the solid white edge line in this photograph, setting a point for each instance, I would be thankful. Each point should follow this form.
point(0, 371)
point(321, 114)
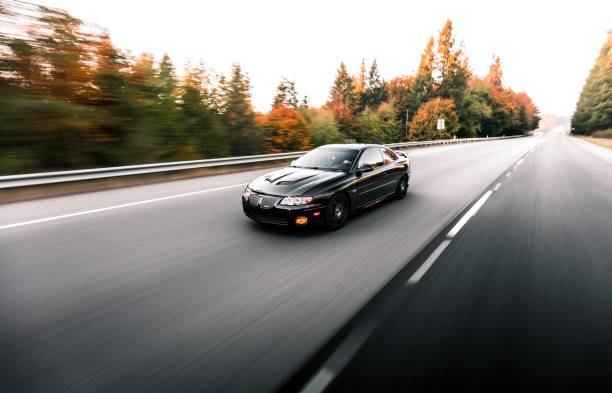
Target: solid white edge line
point(508, 174)
point(497, 187)
point(320, 381)
point(520, 161)
point(340, 357)
point(474, 209)
point(416, 277)
point(103, 209)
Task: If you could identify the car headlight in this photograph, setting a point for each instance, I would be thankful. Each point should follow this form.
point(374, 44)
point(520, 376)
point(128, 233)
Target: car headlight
point(247, 193)
point(295, 201)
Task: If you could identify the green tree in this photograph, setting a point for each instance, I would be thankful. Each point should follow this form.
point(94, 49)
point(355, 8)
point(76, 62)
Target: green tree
point(380, 125)
point(344, 103)
point(594, 107)
point(238, 116)
point(204, 135)
point(375, 92)
point(323, 127)
point(400, 90)
point(286, 95)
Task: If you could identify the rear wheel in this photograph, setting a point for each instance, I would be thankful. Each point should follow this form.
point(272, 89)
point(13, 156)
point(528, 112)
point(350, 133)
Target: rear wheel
point(402, 188)
point(337, 212)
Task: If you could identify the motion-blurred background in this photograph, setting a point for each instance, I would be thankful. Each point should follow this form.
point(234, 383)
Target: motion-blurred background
point(71, 99)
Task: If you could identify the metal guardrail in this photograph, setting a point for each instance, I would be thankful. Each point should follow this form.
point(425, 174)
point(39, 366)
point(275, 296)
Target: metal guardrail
point(33, 179)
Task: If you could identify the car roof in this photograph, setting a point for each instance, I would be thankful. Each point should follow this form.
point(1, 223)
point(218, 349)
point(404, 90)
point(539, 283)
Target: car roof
point(354, 146)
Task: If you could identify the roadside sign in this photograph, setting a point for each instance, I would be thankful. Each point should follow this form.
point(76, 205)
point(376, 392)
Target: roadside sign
point(440, 124)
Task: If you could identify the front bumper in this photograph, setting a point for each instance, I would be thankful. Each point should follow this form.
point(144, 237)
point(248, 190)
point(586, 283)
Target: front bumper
point(284, 215)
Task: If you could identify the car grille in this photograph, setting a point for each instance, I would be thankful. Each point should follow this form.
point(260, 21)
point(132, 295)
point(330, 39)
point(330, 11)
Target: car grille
point(263, 201)
point(267, 218)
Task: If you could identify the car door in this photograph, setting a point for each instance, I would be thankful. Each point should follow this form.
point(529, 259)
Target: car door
point(393, 171)
point(370, 185)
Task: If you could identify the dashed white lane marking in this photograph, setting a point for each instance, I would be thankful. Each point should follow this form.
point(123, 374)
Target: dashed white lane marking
point(520, 162)
point(416, 277)
point(470, 213)
point(508, 174)
point(497, 187)
point(92, 211)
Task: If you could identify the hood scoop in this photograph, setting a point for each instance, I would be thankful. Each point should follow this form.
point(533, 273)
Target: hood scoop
point(288, 178)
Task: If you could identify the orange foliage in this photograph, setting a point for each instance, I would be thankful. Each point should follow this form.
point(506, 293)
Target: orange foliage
point(285, 129)
point(424, 122)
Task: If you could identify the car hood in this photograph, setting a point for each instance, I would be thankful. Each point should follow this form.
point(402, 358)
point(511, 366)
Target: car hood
point(293, 181)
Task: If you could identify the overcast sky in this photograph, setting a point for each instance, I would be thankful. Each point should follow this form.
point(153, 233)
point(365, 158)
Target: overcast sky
point(547, 47)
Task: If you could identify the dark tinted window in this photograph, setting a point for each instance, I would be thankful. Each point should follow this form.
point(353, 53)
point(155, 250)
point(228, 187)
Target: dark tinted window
point(329, 159)
point(388, 155)
point(371, 157)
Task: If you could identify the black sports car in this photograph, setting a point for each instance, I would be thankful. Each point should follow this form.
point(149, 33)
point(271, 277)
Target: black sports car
point(326, 184)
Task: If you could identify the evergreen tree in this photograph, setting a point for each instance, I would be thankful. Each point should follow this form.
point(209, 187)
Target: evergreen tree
point(375, 92)
point(286, 95)
point(423, 86)
point(360, 80)
point(400, 90)
point(594, 108)
point(344, 103)
point(204, 134)
point(65, 50)
point(238, 116)
point(452, 76)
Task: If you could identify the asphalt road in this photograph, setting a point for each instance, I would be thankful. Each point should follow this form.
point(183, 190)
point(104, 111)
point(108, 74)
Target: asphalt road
point(169, 287)
point(520, 300)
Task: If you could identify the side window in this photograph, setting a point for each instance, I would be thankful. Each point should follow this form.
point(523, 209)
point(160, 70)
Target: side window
point(371, 157)
point(388, 155)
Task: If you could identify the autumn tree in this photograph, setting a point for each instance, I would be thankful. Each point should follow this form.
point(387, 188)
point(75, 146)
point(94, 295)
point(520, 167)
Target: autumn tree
point(359, 82)
point(495, 75)
point(423, 86)
point(400, 90)
point(343, 102)
point(423, 125)
point(451, 71)
point(284, 129)
point(65, 51)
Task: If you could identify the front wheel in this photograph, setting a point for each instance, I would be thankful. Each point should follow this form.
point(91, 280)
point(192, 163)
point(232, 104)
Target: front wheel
point(402, 188)
point(337, 212)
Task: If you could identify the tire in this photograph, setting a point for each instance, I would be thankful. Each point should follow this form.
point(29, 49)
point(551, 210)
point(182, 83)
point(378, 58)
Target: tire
point(337, 212)
point(402, 188)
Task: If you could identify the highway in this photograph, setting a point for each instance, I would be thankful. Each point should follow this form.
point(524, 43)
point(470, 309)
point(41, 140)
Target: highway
point(168, 287)
point(520, 299)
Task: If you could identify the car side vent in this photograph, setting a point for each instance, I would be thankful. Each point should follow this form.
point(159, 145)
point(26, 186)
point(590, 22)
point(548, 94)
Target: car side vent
point(284, 183)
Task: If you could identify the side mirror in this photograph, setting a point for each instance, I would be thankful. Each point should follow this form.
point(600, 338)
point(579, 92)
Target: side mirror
point(365, 168)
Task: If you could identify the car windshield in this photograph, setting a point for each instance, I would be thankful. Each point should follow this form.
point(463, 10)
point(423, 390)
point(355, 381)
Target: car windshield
point(327, 159)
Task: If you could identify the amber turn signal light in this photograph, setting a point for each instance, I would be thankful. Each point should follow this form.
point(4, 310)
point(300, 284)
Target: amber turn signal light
point(301, 220)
